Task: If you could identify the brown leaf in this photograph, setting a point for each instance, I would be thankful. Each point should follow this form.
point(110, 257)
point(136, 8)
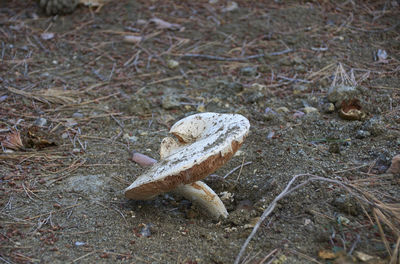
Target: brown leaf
point(13, 140)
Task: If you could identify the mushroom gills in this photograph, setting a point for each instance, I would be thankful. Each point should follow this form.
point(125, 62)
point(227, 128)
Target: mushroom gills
point(201, 194)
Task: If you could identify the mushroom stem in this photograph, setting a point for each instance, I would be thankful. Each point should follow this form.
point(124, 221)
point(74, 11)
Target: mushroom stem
point(201, 194)
point(197, 192)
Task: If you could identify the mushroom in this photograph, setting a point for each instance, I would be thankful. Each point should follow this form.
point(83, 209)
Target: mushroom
point(205, 142)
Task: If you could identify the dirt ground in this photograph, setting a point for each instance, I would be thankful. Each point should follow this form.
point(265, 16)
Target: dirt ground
point(83, 97)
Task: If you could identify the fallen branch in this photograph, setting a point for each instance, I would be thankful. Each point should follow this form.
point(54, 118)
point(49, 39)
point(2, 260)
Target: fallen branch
point(218, 58)
point(393, 210)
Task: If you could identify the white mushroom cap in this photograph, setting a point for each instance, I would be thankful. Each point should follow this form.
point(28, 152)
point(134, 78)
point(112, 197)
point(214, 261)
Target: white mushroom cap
point(206, 141)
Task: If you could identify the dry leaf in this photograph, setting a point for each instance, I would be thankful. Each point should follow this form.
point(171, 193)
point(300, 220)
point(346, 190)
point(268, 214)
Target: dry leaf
point(12, 140)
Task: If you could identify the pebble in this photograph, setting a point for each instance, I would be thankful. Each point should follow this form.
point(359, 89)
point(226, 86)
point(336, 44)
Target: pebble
point(362, 134)
point(310, 110)
point(328, 108)
point(129, 138)
point(282, 109)
point(249, 71)
point(70, 122)
point(299, 89)
point(146, 230)
point(395, 166)
point(231, 6)
point(334, 147)
point(172, 64)
point(77, 115)
point(338, 93)
point(40, 121)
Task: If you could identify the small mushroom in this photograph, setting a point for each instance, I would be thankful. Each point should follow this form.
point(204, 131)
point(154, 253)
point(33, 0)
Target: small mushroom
point(204, 143)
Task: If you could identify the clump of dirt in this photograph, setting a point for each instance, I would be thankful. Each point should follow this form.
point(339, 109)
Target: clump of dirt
point(96, 99)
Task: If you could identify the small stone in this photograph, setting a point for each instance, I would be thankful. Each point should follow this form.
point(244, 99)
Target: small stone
point(201, 108)
point(79, 243)
point(343, 220)
point(299, 89)
point(172, 64)
point(395, 166)
point(282, 109)
point(334, 147)
point(146, 230)
point(77, 115)
point(76, 150)
point(57, 206)
point(231, 6)
point(70, 122)
point(362, 134)
point(328, 108)
point(310, 110)
point(338, 93)
point(249, 71)
point(129, 138)
point(170, 102)
point(362, 256)
point(40, 121)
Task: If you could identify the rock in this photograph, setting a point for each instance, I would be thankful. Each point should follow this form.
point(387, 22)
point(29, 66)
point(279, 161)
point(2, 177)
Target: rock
point(281, 109)
point(328, 108)
point(375, 126)
point(77, 115)
point(249, 71)
point(310, 110)
point(334, 147)
point(90, 185)
point(40, 122)
point(299, 89)
point(70, 122)
point(338, 93)
point(129, 138)
point(362, 134)
point(172, 64)
point(170, 102)
point(145, 231)
point(395, 166)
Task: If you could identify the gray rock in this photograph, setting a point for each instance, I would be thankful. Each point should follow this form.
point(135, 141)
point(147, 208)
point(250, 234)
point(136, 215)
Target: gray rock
point(328, 108)
point(362, 134)
point(337, 94)
point(40, 121)
point(77, 115)
point(249, 71)
point(90, 185)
